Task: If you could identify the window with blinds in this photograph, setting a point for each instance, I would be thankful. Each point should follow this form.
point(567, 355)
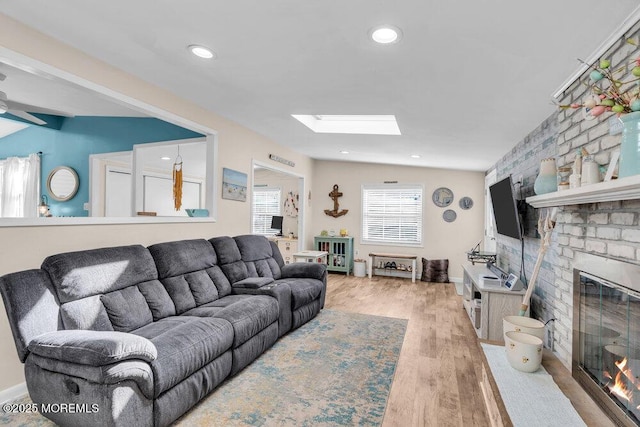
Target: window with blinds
point(266, 203)
point(392, 214)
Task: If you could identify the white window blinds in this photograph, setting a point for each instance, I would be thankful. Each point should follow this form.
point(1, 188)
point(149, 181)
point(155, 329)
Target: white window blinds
point(392, 214)
point(266, 203)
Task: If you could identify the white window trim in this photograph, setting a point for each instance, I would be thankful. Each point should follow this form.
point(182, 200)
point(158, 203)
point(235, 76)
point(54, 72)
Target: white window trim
point(365, 241)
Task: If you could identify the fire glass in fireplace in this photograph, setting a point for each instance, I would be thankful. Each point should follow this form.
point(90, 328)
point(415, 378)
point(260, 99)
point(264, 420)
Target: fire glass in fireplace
point(606, 336)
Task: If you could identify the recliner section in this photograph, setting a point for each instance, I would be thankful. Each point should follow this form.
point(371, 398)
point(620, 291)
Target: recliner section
point(299, 287)
point(148, 332)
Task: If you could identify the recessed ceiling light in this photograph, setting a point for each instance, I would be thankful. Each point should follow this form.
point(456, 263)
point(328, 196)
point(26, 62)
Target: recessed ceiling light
point(165, 158)
point(350, 124)
point(415, 156)
point(344, 152)
point(386, 34)
point(201, 51)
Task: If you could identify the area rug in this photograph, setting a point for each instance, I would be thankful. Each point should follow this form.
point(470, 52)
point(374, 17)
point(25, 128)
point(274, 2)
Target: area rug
point(335, 370)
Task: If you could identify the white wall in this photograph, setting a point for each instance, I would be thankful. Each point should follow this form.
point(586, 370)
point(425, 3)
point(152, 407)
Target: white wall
point(441, 239)
point(26, 247)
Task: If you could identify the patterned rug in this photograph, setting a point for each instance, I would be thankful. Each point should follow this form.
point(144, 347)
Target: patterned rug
point(335, 370)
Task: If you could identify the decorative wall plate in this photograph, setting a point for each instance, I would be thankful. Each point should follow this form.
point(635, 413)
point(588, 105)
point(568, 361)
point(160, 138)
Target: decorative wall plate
point(449, 215)
point(442, 197)
point(466, 203)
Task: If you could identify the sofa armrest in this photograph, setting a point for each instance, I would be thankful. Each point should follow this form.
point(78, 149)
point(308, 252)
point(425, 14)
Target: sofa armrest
point(94, 348)
point(253, 282)
point(136, 370)
point(311, 270)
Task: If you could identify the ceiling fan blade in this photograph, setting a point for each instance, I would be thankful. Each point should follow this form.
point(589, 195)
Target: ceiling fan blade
point(33, 109)
point(27, 116)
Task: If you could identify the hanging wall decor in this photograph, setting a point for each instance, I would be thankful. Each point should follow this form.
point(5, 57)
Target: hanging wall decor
point(335, 212)
point(466, 203)
point(177, 182)
point(234, 185)
point(291, 205)
point(449, 215)
point(442, 197)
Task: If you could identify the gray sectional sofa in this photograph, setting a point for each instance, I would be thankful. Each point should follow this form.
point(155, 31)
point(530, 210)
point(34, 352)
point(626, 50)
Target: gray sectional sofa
point(143, 334)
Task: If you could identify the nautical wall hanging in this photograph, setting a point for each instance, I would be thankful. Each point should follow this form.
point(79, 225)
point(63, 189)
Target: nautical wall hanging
point(177, 182)
point(335, 212)
point(291, 205)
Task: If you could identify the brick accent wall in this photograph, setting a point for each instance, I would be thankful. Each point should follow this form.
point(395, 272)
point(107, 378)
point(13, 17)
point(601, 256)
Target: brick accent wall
point(523, 162)
point(608, 229)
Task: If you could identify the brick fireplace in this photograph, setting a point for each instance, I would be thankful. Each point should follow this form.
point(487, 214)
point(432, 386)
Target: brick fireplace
point(606, 334)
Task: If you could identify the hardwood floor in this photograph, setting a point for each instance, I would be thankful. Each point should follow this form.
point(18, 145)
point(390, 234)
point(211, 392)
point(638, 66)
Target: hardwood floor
point(439, 370)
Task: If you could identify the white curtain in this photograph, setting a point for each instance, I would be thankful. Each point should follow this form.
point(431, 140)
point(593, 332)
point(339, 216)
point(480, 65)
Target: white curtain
point(19, 186)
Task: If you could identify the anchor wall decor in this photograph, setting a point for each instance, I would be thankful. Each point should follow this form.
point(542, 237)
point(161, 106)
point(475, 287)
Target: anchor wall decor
point(335, 212)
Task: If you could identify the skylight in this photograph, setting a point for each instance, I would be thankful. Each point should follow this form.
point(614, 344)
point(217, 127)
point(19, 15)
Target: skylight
point(350, 124)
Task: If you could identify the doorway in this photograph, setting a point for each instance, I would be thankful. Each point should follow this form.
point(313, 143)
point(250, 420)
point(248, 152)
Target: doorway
point(290, 189)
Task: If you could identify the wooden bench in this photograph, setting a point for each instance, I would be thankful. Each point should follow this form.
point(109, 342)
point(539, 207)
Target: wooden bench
point(412, 258)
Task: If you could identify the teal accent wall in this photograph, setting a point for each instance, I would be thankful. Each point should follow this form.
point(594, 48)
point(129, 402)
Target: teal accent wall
point(81, 136)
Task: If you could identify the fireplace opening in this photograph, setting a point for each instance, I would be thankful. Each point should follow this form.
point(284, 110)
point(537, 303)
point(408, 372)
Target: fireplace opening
point(606, 336)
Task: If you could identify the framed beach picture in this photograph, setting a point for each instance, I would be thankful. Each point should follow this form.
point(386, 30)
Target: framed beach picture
point(234, 185)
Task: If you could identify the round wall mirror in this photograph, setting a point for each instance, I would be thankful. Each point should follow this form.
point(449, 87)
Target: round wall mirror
point(62, 183)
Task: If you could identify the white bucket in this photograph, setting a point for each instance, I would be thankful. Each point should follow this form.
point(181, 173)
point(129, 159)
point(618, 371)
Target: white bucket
point(524, 351)
point(523, 324)
point(359, 268)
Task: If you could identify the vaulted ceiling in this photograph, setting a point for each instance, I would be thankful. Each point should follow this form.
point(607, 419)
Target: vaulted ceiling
point(467, 81)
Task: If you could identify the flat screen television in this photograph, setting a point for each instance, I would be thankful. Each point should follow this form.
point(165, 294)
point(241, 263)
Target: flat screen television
point(505, 210)
point(276, 224)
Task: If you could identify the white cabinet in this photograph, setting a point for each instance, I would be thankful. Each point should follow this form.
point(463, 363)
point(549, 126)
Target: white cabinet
point(486, 306)
point(287, 248)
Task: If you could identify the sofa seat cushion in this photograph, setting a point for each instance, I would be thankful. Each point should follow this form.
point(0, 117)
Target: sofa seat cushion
point(220, 303)
point(248, 314)
point(303, 291)
point(184, 344)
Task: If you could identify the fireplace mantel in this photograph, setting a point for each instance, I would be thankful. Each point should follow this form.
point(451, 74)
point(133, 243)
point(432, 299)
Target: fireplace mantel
point(618, 189)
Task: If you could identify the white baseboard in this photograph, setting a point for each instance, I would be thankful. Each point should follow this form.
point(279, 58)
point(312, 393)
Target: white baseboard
point(455, 279)
point(13, 393)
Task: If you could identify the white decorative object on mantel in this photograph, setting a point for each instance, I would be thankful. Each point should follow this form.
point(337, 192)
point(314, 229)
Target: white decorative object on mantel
point(618, 189)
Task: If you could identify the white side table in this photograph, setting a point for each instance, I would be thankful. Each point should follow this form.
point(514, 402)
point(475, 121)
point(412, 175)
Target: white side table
point(311, 256)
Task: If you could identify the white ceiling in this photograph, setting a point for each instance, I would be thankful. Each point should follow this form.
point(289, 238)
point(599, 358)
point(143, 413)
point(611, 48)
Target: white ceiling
point(466, 83)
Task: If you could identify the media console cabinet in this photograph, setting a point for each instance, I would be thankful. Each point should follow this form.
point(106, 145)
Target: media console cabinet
point(487, 305)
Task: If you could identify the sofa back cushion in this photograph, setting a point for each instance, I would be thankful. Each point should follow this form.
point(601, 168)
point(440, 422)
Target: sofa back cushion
point(257, 254)
point(127, 309)
point(89, 282)
point(32, 307)
point(189, 272)
point(82, 274)
point(229, 258)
